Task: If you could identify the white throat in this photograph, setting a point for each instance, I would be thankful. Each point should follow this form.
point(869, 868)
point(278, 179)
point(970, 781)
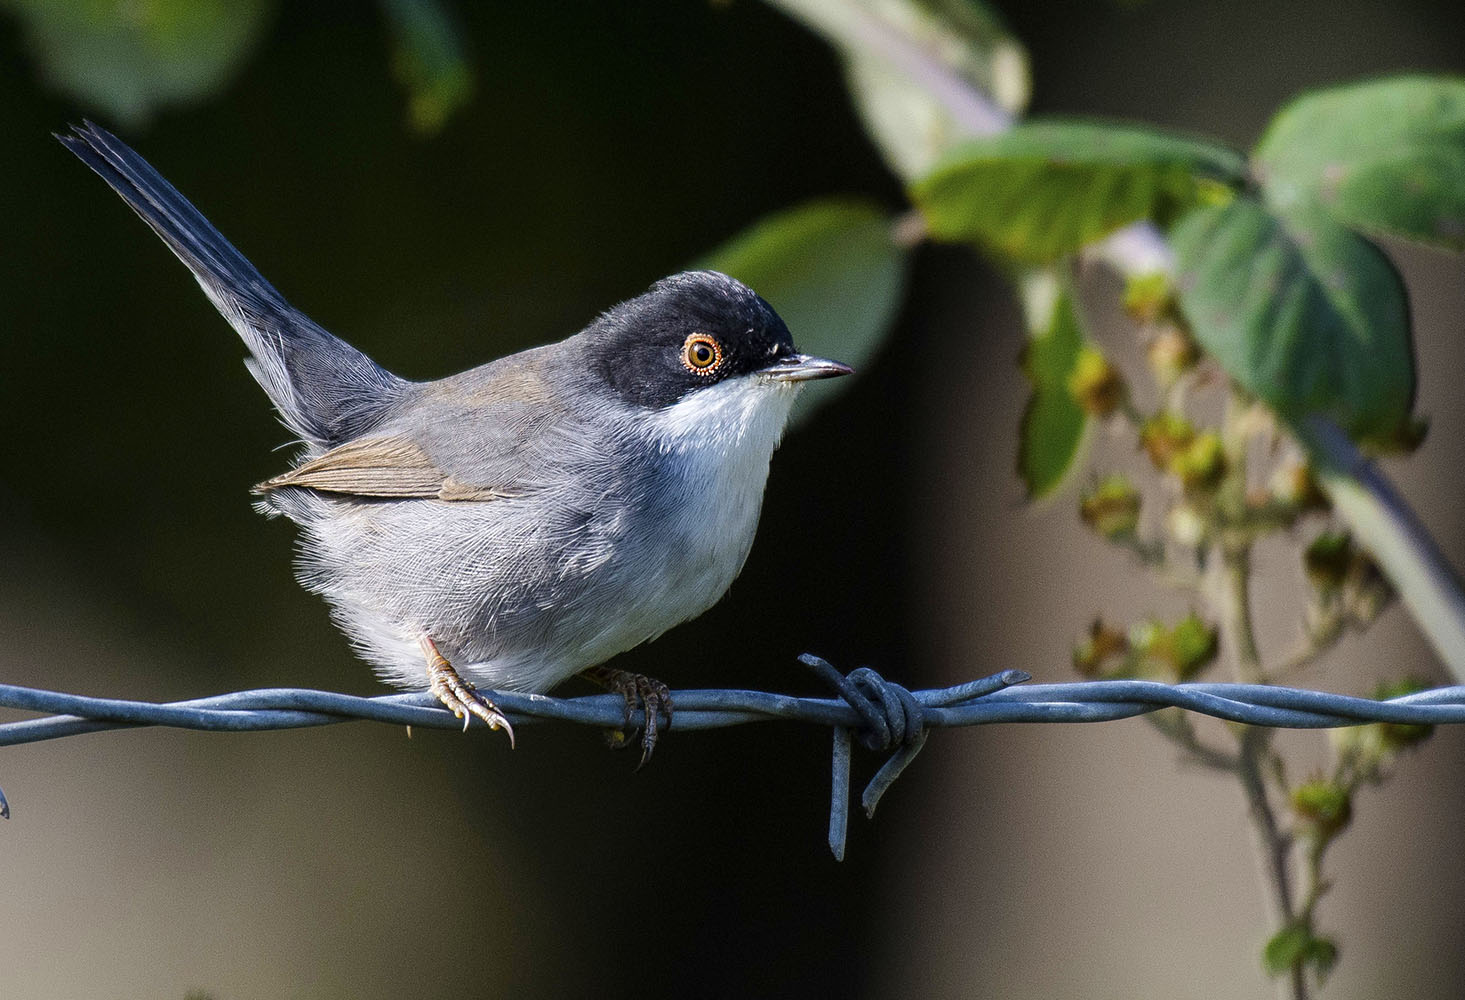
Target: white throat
point(717, 443)
point(739, 419)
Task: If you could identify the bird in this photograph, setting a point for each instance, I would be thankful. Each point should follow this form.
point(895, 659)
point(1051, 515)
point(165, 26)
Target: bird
point(526, 520)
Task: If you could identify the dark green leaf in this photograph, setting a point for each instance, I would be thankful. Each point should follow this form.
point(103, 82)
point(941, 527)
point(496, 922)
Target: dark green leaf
point(1386, 156)
point(1047, 189)
point(833, 272)
point(1304, 314)
point(1053, 424)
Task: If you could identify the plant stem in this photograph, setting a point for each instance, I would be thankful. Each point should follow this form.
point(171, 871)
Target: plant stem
point(1390, 530)
point(1255, 759)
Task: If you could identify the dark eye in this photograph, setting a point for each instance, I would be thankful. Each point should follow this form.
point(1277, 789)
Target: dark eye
point(701, 354)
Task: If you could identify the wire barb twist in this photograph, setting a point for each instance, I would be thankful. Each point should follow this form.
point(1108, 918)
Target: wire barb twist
point(880, 715)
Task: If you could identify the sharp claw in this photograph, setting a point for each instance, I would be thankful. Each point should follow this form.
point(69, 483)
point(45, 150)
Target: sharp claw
point(645, 700)
point(461, 697)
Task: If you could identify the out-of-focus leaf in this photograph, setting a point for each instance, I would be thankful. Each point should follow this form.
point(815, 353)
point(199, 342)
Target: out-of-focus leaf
point(429, 61)
point(1054, 425)
point(1301, 312)
point(127, 58)
point(832, 270)
point(1295, 944)
point(1387, 156)
point(1046, 189)
point(897, 52)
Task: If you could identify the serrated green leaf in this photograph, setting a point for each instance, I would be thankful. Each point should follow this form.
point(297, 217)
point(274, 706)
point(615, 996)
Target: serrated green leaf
point(833, 272)
point(1053, 423)
point(963, 39)
point(1306, 315)
point(1046, 189)
point(1386, 156)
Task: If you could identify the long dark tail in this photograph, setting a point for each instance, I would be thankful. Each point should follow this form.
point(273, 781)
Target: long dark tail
point(326, 390)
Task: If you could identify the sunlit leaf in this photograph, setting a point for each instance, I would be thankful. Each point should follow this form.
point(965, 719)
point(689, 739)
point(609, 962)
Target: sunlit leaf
point(832, 270)
point(428, 59)
point(1046, 189)
point(128, 59)
point(1386, 156)
point(1054, 425)
point(897, 51)
point(1301, 312)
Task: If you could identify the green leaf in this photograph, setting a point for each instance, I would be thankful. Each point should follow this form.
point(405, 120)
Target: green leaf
point(893, 50)
point(1295, 944)
point(1053, 424)
point(130, 59)
point(1047, 189)
point(1285, 949)
point(1302, 313)
point(1387, 156)
point(429, 61)
point(833, 272)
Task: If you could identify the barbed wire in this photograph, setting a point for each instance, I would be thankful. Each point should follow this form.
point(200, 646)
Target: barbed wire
point(882, 716)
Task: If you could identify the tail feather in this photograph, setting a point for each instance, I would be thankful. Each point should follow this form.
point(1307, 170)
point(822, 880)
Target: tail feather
point(325, 390)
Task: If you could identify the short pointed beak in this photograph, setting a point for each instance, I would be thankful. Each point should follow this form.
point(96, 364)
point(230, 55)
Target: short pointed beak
point(804, 367)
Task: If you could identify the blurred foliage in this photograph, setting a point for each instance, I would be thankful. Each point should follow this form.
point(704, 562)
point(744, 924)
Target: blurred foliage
point(1301, 312)
point(1044, 190)
point(128, 58)
point(1383, 156)
point(429, 61)
point(913, 126)
point(834, 271)
point(1054, 423)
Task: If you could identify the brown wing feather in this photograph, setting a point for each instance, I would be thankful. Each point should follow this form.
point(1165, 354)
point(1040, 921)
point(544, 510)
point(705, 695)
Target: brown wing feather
point(388, 467)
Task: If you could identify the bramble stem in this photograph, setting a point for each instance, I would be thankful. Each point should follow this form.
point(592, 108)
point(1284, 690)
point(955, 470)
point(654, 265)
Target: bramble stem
point(1391, 532)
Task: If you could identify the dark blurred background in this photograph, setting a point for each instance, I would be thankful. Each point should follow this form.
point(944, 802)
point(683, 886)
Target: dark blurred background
point(607, 145)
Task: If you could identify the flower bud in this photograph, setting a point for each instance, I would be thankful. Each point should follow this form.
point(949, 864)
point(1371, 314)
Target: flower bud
point(1171, 353)
point(1178, 652)
point(1186, 526)
point(1294, 484)
point(1327, 558)
point(1201, 465)
point(1147, 297)
point(1102, 645)
point(1112, 507)
point(1324, 807)
point(1164, 436)
point(1395, 736)
point(1096, 384)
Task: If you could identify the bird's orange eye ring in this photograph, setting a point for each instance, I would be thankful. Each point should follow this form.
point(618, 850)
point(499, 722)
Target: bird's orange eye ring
point(701, 354)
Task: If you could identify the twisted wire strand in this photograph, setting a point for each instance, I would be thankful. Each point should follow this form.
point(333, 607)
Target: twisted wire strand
point(880, 715)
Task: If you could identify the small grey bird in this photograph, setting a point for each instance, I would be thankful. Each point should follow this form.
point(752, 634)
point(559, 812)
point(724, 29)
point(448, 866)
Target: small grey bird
point(525, 520)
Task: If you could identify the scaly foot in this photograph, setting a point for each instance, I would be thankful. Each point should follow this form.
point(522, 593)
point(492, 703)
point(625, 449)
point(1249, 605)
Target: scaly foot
point(459, 695)
point(652, 696)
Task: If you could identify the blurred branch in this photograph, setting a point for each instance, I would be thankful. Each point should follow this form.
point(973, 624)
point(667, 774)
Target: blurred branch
point(1391, 531)
point(1363, 496)
point(881, 716)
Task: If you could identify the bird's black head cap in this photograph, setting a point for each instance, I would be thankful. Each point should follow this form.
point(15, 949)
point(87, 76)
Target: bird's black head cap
point(686, 332)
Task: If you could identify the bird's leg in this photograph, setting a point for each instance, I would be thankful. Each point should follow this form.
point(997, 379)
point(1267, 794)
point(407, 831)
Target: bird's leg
point(459, 695)
point(653, 696)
